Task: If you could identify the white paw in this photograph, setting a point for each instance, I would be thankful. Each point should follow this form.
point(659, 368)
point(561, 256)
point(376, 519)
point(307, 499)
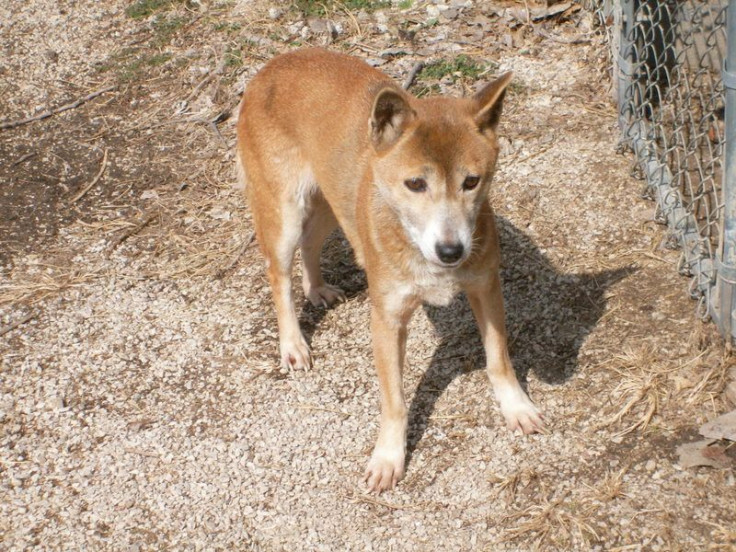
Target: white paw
point(385, 469)
point(519, 411)
point(295, 354)
point(325, 295)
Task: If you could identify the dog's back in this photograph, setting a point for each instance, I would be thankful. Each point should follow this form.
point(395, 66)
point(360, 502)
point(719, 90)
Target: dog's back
point(297, 104)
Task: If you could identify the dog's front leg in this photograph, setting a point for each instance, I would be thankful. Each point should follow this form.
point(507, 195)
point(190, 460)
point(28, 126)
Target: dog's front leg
point(386, 466)
point(487, 303)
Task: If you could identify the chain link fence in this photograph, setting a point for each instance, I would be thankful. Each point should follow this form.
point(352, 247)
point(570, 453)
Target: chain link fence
point(668, 76)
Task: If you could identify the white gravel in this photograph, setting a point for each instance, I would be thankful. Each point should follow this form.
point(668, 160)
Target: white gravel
point(146, 414)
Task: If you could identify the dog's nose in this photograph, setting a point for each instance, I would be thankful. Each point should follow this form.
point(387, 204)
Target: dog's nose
point(449, 253)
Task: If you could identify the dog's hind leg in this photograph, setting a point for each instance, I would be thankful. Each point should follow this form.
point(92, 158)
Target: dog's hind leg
point(279, 231)
point(319, 224)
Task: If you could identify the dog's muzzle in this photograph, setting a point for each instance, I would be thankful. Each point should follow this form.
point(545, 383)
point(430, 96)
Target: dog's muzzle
point(449, 253)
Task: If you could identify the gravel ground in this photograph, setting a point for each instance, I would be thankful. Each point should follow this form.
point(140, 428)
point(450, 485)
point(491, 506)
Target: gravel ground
point(141, 403)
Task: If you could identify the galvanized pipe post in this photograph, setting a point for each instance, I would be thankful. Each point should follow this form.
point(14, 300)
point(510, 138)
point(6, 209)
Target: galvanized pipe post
point(726, 264)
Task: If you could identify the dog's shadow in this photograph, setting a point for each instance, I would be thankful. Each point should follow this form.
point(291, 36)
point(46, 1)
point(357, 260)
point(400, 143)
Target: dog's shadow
point(548, 316)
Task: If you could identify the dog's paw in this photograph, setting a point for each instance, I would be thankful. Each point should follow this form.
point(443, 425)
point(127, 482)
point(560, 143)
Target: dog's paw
point(384, 470)
point(519, 411)
point(295, 354)
point(325, 295)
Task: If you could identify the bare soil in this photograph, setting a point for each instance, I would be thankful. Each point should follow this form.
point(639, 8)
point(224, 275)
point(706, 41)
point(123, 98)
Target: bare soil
point(141, 405)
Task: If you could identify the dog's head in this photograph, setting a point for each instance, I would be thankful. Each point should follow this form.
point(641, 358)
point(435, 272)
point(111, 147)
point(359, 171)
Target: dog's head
point(434, 160)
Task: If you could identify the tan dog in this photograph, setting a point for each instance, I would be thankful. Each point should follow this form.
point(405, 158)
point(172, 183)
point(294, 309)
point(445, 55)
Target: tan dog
point(324, 139)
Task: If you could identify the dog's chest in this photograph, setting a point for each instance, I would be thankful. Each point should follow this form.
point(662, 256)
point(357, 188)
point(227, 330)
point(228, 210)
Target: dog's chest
point(436, 289)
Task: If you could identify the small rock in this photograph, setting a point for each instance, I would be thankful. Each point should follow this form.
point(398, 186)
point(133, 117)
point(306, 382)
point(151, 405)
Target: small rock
point(323, 27)
point(149, 194)
point(449, 14)
point(219, 213)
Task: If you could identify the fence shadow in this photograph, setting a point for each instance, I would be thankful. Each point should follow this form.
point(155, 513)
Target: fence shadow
point(548, 316)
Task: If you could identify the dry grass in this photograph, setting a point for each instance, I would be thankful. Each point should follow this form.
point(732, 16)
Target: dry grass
point(648, 380)
point(724, 537)
point(201, 234)
point(559, 524)
point(509, 486)
point(610, 487)
point(30, 289)
point(642, 388)
point(357, 496)
point(711, 385)
point(206, 235)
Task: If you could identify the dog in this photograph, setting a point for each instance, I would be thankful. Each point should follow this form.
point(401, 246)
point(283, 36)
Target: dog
point(326, 140)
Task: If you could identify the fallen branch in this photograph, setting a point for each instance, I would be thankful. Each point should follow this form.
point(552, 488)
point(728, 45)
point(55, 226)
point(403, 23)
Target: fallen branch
point(88, 187)
point(50, 113)
point(418, 66)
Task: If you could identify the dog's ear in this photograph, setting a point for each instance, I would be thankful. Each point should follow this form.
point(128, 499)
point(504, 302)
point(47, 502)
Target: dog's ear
point(390, 115)
point(489, 102)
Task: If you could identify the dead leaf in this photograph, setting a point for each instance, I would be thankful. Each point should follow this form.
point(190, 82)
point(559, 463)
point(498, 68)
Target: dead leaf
point(723, 427)
point(702, 453)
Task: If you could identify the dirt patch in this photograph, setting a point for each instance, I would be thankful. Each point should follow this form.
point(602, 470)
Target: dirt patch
point(141, 405)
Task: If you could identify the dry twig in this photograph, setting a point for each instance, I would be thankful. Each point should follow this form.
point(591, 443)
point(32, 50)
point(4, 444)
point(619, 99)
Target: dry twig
point(129, 233)
point(23, 158)
point(17, 323)
point(242, 249)
point(52, 112)
point(88, 187)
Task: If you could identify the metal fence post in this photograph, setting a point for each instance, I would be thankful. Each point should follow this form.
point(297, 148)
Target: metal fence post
point(727, 263)
point(625, 66)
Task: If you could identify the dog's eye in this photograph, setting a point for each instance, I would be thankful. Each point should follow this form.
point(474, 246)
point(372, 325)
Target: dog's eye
point(471, 182)
point(416, 184)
